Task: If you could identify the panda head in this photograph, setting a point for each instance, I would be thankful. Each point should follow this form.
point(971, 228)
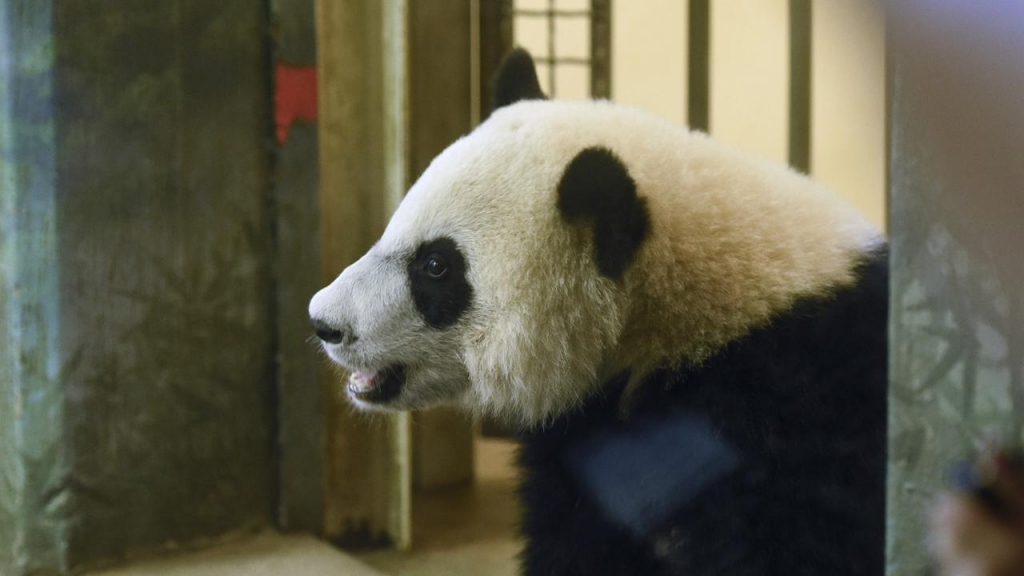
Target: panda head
point(562, 243)
point(500, 281)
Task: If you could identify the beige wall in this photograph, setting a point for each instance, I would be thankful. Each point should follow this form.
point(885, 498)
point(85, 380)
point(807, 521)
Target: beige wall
point(749, 80)
point(750, 75)
point(649, 56)
point(848, 102)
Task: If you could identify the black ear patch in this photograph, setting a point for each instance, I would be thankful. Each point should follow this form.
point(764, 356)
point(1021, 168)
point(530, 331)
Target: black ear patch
point(516, 80)
point(597, 188)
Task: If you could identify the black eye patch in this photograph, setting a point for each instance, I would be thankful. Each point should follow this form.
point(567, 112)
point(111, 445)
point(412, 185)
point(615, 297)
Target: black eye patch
point(437, 278)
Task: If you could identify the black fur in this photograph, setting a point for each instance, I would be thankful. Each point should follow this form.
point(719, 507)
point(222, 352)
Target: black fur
point(441, 300)
point(801, 403)
point(516, 80)
point(334, 334)
point(597, 188)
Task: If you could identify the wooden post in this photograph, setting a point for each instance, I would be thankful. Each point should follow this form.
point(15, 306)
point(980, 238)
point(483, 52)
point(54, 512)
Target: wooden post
point(362, 90)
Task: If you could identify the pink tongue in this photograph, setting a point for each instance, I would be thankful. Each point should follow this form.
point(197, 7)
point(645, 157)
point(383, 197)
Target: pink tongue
point(362, 380)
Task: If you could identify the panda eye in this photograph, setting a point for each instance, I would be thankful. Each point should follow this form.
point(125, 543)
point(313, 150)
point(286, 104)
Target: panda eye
point(436, 267)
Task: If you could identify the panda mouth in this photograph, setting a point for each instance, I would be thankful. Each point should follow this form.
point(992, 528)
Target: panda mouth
point(377, 385)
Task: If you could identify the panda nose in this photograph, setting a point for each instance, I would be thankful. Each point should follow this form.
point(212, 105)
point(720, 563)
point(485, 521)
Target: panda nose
point(333, 334)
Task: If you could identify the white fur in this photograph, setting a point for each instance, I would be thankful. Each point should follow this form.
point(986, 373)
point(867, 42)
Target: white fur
point(733, 239)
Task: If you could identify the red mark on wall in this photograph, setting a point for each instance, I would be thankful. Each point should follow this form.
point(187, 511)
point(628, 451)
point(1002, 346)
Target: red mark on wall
point(294, 97)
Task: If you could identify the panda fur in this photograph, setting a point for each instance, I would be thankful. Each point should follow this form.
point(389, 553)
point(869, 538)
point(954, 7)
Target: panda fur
point(592, 273)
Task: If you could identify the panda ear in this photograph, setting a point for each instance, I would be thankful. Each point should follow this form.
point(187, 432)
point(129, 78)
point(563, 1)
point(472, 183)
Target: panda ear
point(597, 189)
point(516, 80)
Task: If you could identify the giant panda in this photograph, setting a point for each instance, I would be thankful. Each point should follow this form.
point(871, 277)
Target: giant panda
point(690, 340)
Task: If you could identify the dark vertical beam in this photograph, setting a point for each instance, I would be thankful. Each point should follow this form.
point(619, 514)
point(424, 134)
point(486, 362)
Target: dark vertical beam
point(439, 75)
point(698, 65)
point(439, 112)
point(600, 48)
point(800, 84)
point(552, 56)
point(890, 95)
point(495, 42)
point(301, 416)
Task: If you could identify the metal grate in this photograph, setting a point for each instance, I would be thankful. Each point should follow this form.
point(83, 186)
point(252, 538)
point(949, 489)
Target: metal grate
point(597, 58)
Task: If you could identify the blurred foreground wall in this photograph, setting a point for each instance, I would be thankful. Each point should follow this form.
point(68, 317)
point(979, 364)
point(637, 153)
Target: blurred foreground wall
point(957, 313)
point(137, 348)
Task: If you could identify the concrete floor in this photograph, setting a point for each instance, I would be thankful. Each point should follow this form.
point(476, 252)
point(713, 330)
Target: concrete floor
point(265, 555)
point(456, 532)
point(463, 531)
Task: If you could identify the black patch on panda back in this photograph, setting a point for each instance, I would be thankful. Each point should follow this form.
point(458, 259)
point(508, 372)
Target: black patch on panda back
point(801, 402)
point(441, 300)
point(597, 188)
point(516, 80)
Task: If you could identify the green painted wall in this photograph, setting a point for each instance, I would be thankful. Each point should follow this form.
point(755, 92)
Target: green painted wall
point(136, 313)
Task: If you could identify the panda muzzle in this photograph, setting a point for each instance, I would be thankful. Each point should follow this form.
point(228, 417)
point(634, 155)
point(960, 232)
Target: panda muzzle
point(377, 386)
